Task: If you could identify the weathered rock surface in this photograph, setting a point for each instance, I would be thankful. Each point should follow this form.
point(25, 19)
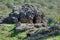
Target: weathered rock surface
point(24, 26)
point(43, 33)
point(49, 31)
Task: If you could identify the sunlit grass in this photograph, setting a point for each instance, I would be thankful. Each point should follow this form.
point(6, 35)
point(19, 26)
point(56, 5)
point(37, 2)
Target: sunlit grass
point(5, 33)
point(54, 38)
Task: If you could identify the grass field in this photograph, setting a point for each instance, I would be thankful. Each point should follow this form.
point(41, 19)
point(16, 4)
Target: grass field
point(54, 38)
point(51, 8)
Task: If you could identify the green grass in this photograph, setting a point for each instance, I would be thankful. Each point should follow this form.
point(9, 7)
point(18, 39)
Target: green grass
point(52, 38)
point(7, 34)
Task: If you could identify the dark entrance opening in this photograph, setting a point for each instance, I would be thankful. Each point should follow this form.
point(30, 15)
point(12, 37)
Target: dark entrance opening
point(34, 20)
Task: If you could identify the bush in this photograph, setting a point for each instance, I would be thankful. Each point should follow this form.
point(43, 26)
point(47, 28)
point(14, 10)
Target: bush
point(9, 5)
point(50, 7)
point(58, 18)
point(51, 21)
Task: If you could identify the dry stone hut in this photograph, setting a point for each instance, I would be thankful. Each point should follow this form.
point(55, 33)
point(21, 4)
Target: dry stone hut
point(28, 13)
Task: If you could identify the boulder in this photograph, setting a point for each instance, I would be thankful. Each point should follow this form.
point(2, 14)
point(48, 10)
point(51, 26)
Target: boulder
point(23, 27)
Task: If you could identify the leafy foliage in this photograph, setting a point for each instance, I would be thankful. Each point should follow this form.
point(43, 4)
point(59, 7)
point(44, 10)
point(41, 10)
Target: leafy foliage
point(7, 34)
point(58, 18)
